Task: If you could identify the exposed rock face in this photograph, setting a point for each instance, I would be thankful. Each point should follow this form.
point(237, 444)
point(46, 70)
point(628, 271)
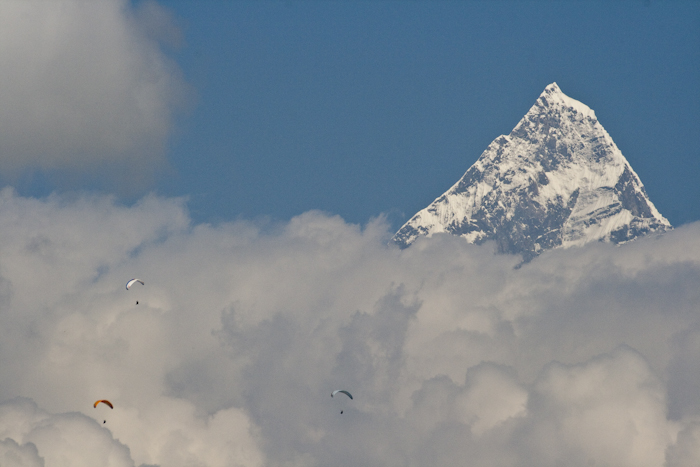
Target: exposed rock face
point(557, 180)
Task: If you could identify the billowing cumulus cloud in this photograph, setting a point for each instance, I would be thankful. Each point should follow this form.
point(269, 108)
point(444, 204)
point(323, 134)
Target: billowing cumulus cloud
point(69, 439)
point(586, 356)
point(87, 88)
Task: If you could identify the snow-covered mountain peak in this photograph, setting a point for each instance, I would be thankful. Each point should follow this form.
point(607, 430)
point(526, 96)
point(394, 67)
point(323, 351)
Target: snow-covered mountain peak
point(557, 180)
point(552, 96)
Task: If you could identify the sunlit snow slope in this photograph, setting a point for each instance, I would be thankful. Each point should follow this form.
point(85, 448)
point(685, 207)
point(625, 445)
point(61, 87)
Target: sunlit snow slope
point(557, 180)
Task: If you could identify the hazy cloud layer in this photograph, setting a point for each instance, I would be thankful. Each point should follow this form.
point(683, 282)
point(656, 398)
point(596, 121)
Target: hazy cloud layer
point(587, 356)
point(87, 89)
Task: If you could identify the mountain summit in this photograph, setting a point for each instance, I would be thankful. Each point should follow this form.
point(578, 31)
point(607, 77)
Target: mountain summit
point(557, 180)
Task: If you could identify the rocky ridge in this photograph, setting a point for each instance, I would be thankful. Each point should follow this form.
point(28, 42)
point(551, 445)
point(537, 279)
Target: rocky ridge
point(557, 180)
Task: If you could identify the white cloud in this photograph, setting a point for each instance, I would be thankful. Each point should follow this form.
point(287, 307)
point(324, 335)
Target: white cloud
point(686, 451)
point(609, 410)
point(583, 357)
point(64, 440)
point(14, 455)
point(87, 89)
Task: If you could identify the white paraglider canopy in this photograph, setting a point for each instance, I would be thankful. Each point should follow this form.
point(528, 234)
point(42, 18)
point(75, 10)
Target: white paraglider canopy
point(132, 282)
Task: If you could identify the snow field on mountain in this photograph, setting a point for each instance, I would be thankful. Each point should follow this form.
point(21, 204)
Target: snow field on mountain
point(558, 150)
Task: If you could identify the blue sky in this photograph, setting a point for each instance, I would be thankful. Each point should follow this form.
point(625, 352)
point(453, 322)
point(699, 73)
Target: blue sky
point(364, 108)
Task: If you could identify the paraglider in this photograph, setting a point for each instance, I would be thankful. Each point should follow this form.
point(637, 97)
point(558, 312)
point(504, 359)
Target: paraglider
point(105, 402)
point(343, 392)
point(132, 282)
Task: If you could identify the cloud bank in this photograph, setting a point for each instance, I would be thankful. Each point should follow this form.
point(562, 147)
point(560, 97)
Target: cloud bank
point(87, 90)
point(587, 356)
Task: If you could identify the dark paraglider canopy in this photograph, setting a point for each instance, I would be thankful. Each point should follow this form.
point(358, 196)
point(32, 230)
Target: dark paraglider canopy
point(341, 391)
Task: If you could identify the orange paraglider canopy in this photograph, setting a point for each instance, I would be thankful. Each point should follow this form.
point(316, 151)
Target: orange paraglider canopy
point(104, 401)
